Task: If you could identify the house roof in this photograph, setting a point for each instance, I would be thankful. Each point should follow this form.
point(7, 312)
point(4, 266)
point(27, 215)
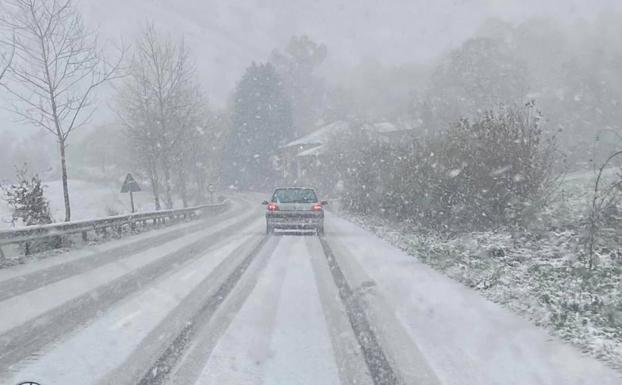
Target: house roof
point(386, 127)
point(321, 135)
point(317, 150)
point(313, 143)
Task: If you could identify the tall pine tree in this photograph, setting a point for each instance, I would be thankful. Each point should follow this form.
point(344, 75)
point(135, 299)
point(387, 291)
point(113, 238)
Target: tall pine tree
point(261, 122)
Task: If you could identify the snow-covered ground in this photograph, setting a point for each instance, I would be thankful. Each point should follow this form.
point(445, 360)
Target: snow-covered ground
point(283, 319)
point(464, 338)
point(124, 326)
point(535, 273)
point(100, 340)
point(88, 201)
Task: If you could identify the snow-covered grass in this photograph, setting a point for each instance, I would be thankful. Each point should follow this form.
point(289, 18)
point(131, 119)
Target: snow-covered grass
point(536, 273)
point(88, 201)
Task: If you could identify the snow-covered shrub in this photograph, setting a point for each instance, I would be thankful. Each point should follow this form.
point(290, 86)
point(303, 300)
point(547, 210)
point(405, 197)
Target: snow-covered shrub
point(494, 170)
point(368, 171)
point(30, 207)
point(25, 196)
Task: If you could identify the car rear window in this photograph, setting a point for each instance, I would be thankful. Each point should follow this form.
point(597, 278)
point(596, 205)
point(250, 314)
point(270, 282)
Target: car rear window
point(294, 196)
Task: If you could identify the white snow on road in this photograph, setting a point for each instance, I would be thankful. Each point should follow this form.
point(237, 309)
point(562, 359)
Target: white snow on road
point(96, 350)
point(464, 338)
point(22, 308)
point(429, 326)
point(280, 334)
point(303, 353)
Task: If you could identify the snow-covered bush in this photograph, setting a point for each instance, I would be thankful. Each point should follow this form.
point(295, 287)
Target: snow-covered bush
point(26, 197)
point(495, 170)
point(361, 164)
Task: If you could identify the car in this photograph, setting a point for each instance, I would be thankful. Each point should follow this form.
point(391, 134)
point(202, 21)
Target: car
point(294, 208)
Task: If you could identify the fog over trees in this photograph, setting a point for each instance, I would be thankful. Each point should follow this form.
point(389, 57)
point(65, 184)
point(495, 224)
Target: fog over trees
point(163, 127)
point(261, 121)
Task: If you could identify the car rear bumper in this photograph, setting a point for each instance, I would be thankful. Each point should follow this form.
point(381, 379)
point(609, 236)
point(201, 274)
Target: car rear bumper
point(303, 220)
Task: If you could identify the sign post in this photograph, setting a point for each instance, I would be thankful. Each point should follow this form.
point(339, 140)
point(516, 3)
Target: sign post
point(130, 185)
point(210, 188)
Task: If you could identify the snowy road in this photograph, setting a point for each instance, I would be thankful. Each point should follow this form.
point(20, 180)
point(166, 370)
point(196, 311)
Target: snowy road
point(218, 302)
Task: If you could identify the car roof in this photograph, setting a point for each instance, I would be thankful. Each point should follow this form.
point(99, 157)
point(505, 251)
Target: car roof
point(294, 188)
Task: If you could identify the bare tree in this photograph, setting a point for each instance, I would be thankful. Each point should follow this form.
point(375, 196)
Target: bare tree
point(56, 68)
point(6, 67)
point(160, 104)
point(7, 58)
point(605, 198)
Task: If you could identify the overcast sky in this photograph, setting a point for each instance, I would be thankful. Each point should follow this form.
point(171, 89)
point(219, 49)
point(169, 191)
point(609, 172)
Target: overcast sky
point(226, 35)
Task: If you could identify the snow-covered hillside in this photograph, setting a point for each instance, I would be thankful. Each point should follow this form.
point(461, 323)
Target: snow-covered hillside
point(88, 200)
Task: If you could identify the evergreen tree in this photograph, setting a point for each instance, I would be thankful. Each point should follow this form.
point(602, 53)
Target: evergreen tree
point(261, 122)
point(297, 65)
point(26, 198)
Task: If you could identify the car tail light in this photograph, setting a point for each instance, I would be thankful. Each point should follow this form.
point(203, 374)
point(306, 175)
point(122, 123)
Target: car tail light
point(272, 207)
point(317, 207)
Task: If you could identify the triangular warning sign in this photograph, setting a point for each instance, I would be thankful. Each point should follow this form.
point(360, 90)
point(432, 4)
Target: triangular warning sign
point(130, 184)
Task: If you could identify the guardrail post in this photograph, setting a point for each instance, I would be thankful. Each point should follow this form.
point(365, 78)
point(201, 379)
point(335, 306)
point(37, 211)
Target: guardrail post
point(26, 248)
point(84, 236)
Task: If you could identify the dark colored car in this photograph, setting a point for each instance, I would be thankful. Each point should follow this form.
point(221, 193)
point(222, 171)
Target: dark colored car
point(295, 208)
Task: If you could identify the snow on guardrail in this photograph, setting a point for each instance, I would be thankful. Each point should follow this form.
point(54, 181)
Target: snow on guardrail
point(32, 233)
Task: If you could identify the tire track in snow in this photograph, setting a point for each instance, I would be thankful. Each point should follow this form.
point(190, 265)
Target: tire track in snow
point(159, 371)
point(34, 280)
point(348, 353)
point(211, 333)
point(25, 340)
point(277, 334)
point(301, 348)
point(379, 367)
point(108, 344)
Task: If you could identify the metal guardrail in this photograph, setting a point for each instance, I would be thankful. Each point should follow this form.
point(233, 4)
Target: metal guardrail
point(33, 233)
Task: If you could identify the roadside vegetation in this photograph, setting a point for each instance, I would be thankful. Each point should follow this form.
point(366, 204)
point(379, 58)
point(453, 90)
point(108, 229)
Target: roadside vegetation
point(489, 203)
point(508, 178)
point(540, 272)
